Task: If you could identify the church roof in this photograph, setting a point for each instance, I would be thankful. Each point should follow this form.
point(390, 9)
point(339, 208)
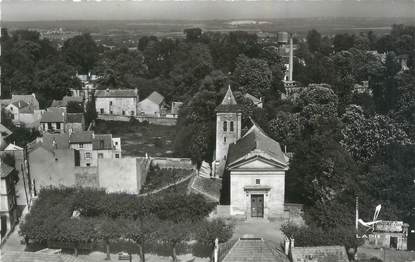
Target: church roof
point(255, 139)
point(228, 103)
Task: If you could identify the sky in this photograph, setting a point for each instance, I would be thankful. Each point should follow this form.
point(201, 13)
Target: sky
point(45, 10)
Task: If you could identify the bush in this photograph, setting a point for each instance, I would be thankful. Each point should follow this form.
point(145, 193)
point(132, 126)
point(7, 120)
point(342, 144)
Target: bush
point(206, 233)
point(305, 236)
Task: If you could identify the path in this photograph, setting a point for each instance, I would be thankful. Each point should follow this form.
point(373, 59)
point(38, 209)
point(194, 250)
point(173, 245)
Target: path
point(260, 228)
point(12, 242)
point(168, 186)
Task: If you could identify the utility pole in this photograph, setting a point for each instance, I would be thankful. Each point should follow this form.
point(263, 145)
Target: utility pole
point(291, 61)
point(357, 217)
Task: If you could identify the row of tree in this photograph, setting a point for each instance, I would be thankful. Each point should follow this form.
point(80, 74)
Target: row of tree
point(79, 217)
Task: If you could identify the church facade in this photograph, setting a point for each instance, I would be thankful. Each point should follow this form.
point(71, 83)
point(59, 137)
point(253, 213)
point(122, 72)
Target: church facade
point(254, 162)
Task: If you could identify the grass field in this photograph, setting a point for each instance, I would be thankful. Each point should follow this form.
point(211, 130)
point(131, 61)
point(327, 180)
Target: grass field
point(137, 139)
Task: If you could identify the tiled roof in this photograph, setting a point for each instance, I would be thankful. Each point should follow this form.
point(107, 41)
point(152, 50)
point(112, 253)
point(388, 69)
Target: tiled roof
point(5, 170)
point(20, 104)
point(81, 137)
point(13, 147)
point(30, 99)
point(208, 187)
point(228, 103)
point(116, 93)
point(5, 130)
point(320, 253)
point(255, 139)
point(55, 141)
point(102, 142)
point(74, 118)
point(65, 100)
point(24, 107)
point(253, 250)
point(52, 115)
point(156, 98)
point(252, 98)
point(57, 103)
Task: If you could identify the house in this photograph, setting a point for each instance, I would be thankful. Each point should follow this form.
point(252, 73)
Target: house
point(121, 102)
point(52, 163)
point(257, 102)
point(153, 105)
point(4, 133)
point(63, 103)
point(389, 234)
point(23, 196)
point(174, 111)
point(24, 110)
point(29, 99)
point(319, 254)
point(84, 159)
point(253, 163)
point(53, 120)
point(8, 206)
point(56, 120)
point(74, 122)
point(88, 87)
point(250, 249)
point(90, 147)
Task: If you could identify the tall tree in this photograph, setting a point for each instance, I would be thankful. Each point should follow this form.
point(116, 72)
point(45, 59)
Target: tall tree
point(81, 52)
point(314, 41)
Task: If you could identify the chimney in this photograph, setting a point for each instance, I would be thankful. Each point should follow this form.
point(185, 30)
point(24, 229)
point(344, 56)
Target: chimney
point(216, 251)
point(286, 246)
point(291, 243)
point(291, 59)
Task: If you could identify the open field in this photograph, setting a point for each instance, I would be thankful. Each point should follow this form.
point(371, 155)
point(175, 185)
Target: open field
point(138, 139)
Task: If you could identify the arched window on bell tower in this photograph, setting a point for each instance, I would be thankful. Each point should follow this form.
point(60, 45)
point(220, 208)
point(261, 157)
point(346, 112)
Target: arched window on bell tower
point(225, 126)
point(231, 126)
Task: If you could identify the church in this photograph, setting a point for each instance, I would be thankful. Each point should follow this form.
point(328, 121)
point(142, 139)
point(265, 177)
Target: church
point(254, 162)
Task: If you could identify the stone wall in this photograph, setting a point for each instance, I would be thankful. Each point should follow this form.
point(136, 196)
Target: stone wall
point(163, 121)
point(175, 163)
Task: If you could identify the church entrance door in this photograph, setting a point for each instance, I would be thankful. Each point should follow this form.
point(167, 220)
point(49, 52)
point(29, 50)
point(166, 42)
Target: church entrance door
point(257, 205)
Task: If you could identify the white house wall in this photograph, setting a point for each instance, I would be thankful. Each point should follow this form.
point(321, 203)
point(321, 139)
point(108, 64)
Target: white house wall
point(148, 108)
point(119, 104)
point(273, 199)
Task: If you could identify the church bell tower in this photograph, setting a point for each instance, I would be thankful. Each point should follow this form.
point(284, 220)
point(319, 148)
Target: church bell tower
point(228, 125)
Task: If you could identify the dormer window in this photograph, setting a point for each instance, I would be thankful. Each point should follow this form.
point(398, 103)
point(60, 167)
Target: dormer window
point(225, 126)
